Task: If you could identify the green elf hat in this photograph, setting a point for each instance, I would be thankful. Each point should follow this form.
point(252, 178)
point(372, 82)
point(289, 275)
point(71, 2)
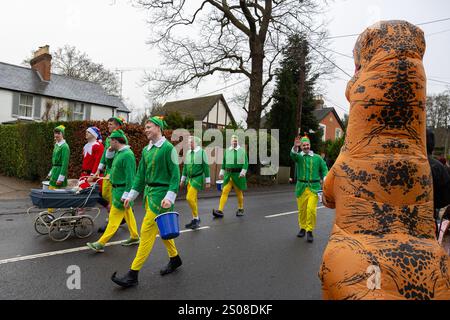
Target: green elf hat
point(305, 139)
point(60, 128)
point(120, 121)
point(159, 121)
point(119, 134)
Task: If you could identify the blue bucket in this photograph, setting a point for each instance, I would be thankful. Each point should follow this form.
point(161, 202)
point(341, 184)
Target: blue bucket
point(219, 185)
point(168, 225)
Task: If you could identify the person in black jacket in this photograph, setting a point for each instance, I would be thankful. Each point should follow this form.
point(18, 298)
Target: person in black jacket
point(441, 179)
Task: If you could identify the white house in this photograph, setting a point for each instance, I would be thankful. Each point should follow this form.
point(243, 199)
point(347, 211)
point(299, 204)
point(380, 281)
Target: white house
point(36, 94)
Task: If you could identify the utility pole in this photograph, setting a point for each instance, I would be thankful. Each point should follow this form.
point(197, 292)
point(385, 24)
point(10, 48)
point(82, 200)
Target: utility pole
point(301, 83)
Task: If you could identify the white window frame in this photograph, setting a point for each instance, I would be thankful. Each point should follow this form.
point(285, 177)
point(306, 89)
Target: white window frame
point(324, 127)
point(76, 114)
point(338, 133)
point(26, 106)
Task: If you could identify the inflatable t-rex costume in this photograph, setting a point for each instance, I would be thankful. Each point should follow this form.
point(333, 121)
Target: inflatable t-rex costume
point(382, 244)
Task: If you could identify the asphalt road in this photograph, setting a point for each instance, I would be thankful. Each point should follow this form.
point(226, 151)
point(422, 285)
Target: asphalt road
point(254, 257)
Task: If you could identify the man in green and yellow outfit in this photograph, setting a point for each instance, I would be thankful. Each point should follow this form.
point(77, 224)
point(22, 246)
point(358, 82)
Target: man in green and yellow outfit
point(311, 169)
point(195, 174)
point(158, 176)
point(114, 123)
point(60, 160)
point(122, 173)
point(234, 169)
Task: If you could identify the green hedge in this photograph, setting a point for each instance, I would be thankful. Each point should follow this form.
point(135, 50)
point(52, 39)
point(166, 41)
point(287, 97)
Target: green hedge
point(26, 149)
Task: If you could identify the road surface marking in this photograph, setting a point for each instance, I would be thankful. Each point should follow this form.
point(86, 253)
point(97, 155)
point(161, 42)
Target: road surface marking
point(55, 253)
point(285, 214)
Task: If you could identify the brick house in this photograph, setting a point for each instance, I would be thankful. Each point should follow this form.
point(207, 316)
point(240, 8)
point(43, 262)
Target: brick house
point(329, 121)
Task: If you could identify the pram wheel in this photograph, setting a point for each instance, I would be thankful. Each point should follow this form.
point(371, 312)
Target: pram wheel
point(42, 222)
point(61, 228)
point(83, 227)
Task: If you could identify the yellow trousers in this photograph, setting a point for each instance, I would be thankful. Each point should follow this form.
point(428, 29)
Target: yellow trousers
point(226, 191)
point(307, 210)
point(115, 218)
point(192, 200)
point(107, 190)
point(51, 210)
point(149, 231)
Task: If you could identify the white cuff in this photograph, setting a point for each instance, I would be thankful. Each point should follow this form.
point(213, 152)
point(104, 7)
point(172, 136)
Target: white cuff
point(61, 178)
point(222, 172)
point(208, 180)
point(50, 173)
point(183, 179)
point(124, 196)
point(110, 154)
point(171, 196)
point(243, 172)
point(100, 167)
point(293, 150)
point(132, 195)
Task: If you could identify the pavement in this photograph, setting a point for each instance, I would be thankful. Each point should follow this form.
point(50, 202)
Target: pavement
point(15, 199)
point(256, 257)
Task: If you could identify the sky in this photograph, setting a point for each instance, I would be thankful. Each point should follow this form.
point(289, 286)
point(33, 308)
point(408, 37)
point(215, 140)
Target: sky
point(114, 33)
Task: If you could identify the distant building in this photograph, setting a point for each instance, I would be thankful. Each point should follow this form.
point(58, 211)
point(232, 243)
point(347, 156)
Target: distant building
point(329, 121)
point(212, 111)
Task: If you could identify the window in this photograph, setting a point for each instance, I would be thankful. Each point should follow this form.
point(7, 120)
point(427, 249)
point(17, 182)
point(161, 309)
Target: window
point(26, 106)
point(78, 111)
point(324, 129)
point(338, 133)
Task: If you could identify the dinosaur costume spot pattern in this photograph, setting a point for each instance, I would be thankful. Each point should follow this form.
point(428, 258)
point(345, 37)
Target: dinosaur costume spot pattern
point(381, 184)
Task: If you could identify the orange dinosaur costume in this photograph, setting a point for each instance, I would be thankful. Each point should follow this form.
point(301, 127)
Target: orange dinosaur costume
point(382, 245)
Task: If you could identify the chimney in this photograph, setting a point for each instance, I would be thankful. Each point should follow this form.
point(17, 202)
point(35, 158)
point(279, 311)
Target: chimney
point(42, 62)
point(319, 103)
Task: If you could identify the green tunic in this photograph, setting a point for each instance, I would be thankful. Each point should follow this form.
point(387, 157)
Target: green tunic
point(233, 162)
point(196, 168)
point(60, 164)
point(122, 173)
point(107, 163)
point(158, 173)
point(310, 170)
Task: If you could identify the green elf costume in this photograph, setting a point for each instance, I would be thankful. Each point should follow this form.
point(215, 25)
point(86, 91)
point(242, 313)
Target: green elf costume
point(195, 174)
point(234, 169)
point(311, 169)
point(158, 177)
point(60, 162)
point(105, 166)
point(122, 173)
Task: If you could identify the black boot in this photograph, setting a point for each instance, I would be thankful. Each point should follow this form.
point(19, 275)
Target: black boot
point(217, 213)
point(130, 279)
point(174, 263)
point(302, 233)
point(240, 213)
point(194, 224)
point(309, 236)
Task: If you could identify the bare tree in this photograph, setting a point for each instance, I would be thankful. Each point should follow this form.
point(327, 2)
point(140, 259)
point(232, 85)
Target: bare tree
point(438, 116)
point(235, 38)
point(69, 61)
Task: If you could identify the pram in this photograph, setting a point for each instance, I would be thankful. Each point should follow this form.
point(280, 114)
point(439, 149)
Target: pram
point(72, 211)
